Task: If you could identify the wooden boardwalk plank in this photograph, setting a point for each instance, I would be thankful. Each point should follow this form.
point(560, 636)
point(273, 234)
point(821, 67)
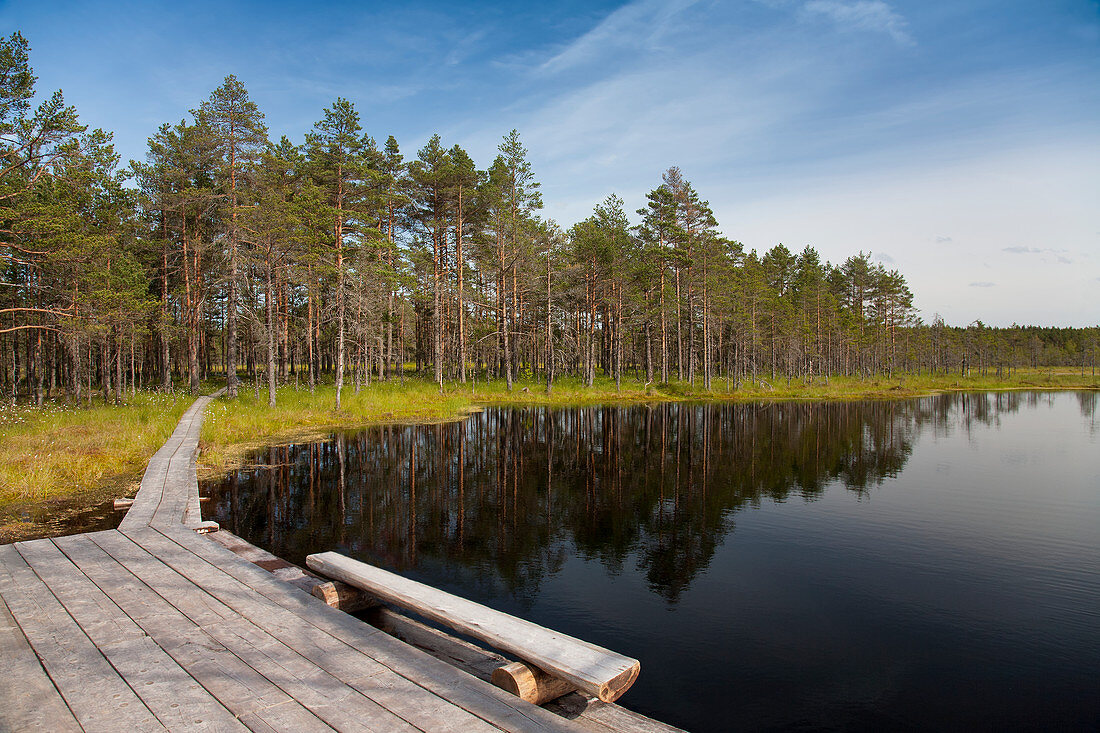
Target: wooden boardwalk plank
point(238, 686)
point(476, 696)
point(169, 479)
point(598, 671)
point(352, 665)
point(99, 698)
point(178, 701)
point(304, 679)
point(28, 699)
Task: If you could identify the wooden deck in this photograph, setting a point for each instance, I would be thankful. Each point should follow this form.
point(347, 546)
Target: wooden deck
point(154, 627)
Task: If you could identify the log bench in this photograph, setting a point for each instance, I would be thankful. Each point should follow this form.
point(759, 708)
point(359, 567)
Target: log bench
point(554, 656)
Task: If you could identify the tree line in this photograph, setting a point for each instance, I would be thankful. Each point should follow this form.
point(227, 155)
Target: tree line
point(225, 252)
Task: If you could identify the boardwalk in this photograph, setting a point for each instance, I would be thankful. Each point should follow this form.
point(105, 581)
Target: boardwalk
point(154, 627)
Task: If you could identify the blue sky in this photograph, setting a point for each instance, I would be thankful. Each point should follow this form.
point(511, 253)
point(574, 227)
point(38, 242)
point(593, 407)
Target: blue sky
point(957, 141)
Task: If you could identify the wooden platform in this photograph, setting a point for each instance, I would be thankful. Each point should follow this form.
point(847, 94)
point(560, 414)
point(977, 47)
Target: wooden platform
point(154, 627)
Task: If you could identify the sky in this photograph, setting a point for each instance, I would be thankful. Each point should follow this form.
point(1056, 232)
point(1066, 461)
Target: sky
point(957, 141)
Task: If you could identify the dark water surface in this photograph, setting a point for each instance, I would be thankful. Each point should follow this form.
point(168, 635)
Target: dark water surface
point(919, 564)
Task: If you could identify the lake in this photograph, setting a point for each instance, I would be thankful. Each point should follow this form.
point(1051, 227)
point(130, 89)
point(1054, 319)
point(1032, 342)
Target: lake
point(910, 564)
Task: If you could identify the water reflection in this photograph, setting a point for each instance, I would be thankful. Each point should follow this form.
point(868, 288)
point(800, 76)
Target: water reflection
point(507, 495)
point(774, 567)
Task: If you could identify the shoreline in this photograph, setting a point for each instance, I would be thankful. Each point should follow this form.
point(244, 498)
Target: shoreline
point(235, 428)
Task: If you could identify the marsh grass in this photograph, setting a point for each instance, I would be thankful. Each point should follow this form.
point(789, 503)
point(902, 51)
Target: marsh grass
point(235, 427)
point(58, 453)
point(57, 456)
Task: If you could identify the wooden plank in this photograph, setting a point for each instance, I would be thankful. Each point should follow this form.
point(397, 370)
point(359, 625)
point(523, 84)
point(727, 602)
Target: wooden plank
point(177, 699)
point(589, 712)
point(318, 671)
point(28, 699)
point(281, 718)
point(280, 568)
point(589, 667)
point(356, 668)
point(284, 624)
point(602, 717)
point(167, 484)
point(98, 697)
point(338, 704)
point(475, 696)
point(235, 684)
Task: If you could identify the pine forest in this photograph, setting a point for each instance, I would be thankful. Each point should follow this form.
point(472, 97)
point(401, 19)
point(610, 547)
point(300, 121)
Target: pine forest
point(341, 258)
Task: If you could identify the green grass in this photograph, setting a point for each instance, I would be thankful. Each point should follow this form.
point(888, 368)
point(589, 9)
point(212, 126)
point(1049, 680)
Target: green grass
point(234, 427)
point(57, 454)
point(57, 458)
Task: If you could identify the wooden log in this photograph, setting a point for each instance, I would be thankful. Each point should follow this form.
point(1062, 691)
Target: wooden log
point(343, 596)
point(491, 703)
point(598, 671)
point(530, 683)
point(121, 504)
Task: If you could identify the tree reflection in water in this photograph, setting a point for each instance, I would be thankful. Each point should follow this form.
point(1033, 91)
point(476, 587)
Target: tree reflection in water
point(504, 498)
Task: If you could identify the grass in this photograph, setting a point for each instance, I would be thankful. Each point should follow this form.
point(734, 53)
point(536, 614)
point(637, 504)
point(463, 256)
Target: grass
point(57, 459)
point(57, 455)
point(235, 427)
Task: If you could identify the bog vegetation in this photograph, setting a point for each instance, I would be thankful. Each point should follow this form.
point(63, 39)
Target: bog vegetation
point(226, 252)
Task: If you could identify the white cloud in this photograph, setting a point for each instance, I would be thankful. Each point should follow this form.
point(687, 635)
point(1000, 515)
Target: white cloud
point(863, 15)
point(1025, 197)
point(983, 285)
point(640, 24)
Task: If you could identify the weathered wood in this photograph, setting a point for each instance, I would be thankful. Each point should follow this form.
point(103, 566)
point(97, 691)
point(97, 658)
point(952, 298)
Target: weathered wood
point(237, 685)
point(352, 664)
point(178, 701)
point(28, 699)
point(280, 568)
point(206, 527)
point(313, 647)
point(121, 504)
point(588, 712)
point(474, 695)
point(530, 683)
point(342, 596)
point(338, 704)
point(472, 659)
point(603, 717)
point(598, 671)
point(169, 487)
point(98, 697)
point(173, 467)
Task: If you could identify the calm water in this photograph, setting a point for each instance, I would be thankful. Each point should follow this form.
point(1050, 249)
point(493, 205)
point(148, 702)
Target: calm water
point(922, 564)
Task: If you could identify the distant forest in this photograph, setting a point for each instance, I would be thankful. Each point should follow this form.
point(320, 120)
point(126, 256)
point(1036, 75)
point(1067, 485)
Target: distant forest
point(225, 252)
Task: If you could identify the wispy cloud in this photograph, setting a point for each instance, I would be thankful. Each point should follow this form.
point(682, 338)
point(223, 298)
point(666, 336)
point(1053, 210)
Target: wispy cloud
point(463, 47)
point(641, 23)
point(983, 284)
point(943, 240)
point(1059, 254)
point(863, 15)
point(885, 258)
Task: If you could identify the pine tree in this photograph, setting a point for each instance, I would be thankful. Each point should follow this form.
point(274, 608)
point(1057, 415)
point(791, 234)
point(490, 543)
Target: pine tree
point(238, 136)
point(339, 154)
